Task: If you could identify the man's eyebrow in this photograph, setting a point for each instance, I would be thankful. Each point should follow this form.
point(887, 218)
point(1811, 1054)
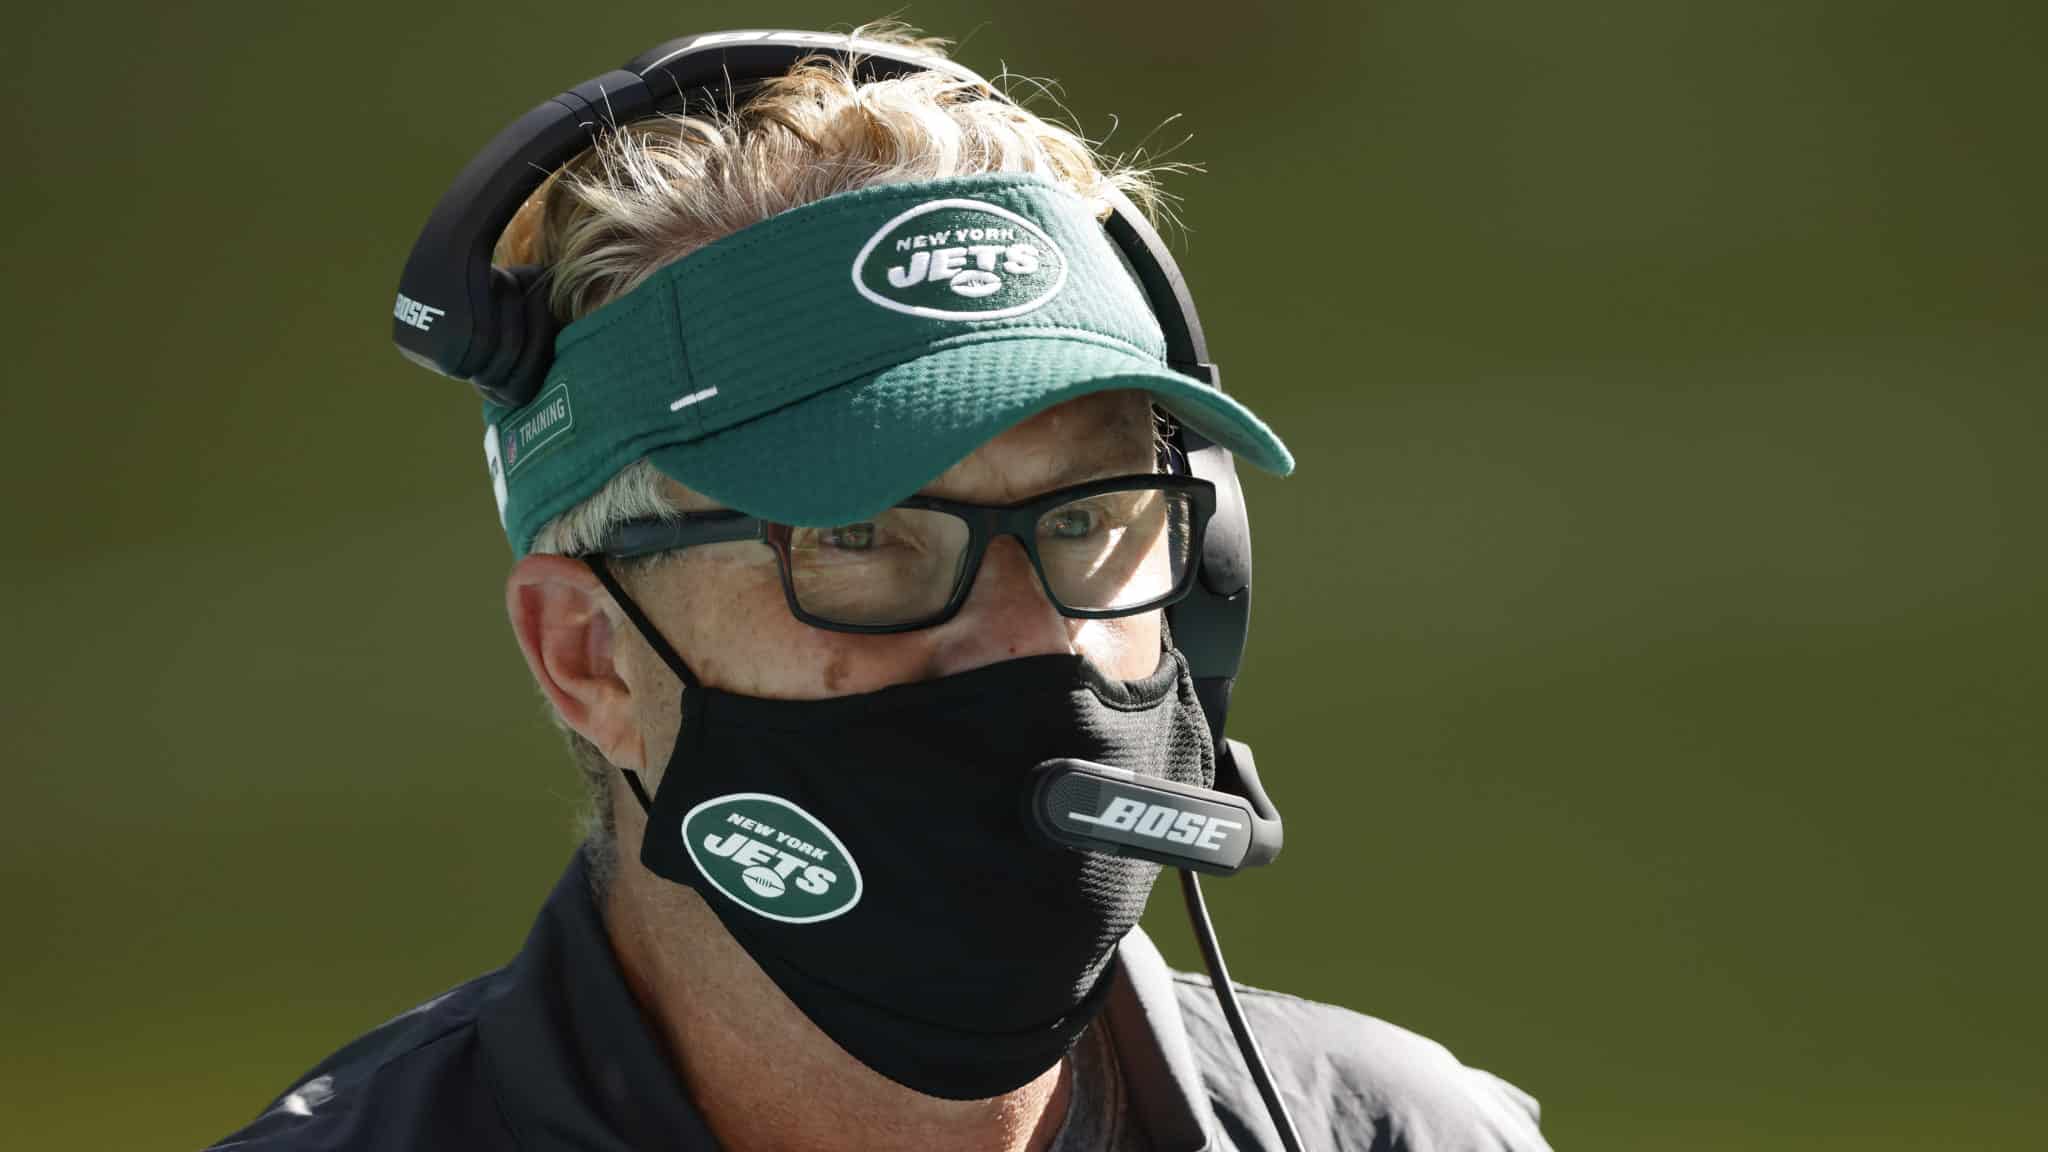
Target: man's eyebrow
point(1082, 469)
point(1078, 468)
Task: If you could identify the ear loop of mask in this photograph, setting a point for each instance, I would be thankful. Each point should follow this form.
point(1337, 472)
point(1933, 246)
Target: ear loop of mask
point(656, 641)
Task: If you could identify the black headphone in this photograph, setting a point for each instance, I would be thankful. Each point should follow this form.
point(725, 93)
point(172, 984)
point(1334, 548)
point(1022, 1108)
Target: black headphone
point(464, 318)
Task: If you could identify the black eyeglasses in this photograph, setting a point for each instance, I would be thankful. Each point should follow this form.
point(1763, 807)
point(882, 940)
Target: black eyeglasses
point(1102, 549)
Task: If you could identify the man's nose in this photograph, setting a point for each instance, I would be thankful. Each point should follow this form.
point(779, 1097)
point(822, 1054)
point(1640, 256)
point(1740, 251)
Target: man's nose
point(1006, 615)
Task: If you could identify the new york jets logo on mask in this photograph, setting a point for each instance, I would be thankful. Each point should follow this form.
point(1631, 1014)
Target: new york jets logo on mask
point(771, 857)
point(959, 260)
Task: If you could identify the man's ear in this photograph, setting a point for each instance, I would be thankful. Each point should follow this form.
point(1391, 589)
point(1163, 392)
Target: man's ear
point(561, 615)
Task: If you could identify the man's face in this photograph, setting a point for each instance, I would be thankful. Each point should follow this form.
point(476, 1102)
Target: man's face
point(722, 606)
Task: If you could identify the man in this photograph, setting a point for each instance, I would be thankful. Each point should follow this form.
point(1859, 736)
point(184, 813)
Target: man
point(815, 570)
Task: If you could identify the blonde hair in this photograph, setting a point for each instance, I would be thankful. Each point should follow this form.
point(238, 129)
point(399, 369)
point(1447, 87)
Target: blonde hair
point(648, 193)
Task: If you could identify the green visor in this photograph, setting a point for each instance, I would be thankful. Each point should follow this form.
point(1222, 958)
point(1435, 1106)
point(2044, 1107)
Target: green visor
point(825, 363)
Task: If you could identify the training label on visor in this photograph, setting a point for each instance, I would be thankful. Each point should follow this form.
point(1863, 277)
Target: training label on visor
point(957, 259)
point(771, 857)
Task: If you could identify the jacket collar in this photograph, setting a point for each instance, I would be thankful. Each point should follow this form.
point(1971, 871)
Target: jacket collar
point(574, 1063)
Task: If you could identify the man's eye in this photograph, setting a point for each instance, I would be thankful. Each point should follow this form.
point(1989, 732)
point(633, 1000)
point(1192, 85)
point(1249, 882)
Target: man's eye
point(850, 537)
point(1071, 523)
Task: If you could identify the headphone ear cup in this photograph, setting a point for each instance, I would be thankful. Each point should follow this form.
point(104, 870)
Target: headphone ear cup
point(525, 344)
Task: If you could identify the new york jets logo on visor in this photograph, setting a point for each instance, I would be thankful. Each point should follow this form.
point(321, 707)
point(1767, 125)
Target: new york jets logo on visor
point(960, 260)
point(771, 857)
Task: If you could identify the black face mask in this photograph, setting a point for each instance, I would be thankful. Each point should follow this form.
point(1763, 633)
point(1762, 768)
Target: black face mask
point(875, 855)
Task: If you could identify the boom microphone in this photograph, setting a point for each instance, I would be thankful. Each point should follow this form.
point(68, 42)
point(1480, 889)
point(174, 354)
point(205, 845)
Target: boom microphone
point(1097, 808)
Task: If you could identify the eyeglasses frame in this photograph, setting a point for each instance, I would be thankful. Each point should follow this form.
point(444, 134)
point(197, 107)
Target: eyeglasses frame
point(985, 522)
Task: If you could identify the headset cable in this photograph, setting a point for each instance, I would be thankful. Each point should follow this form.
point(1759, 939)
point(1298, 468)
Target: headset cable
point(1226, 995)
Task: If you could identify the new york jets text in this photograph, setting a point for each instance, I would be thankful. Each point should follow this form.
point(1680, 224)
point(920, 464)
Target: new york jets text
point(748, 851)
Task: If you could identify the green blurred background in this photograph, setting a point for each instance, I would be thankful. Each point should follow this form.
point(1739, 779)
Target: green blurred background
point(1659, 583)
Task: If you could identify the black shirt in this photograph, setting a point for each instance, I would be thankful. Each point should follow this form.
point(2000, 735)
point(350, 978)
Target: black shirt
point(552, 1052)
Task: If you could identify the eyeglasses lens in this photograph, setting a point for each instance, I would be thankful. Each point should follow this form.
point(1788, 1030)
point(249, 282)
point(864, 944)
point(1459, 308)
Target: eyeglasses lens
point(1115, 549)
point(898, 567)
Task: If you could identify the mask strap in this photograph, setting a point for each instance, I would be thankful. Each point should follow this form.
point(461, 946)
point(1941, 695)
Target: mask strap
point(655, 640)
